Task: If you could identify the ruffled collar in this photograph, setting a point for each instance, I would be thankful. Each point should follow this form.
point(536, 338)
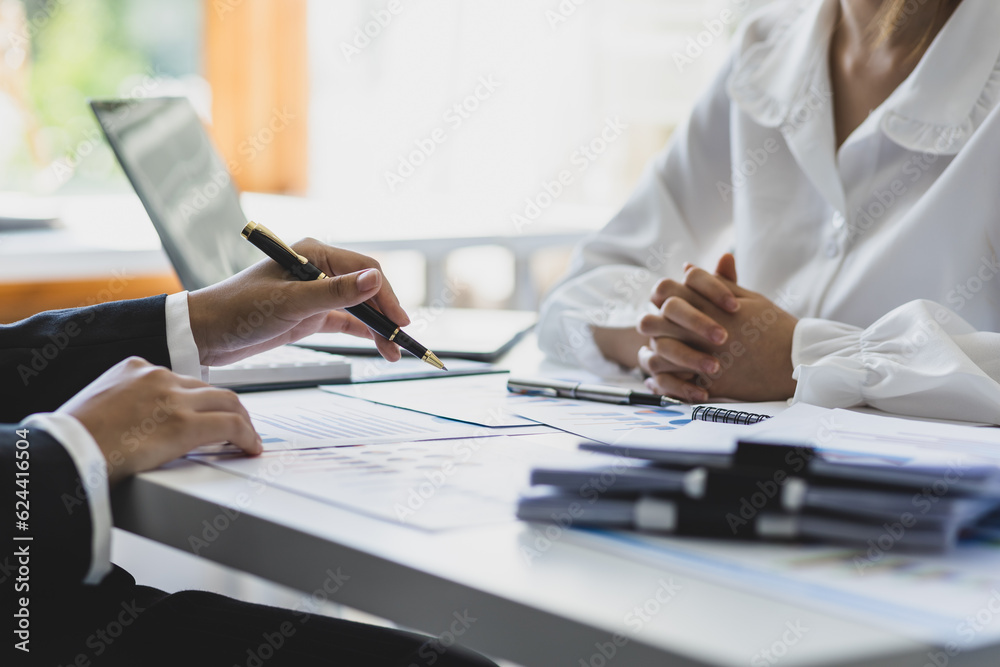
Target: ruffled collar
point(935, 110)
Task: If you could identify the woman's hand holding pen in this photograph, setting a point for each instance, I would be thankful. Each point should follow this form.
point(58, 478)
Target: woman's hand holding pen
point(260, 308)
point(711, 337)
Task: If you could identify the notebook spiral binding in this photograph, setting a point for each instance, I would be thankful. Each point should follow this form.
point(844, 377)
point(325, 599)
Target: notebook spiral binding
point(724, 416)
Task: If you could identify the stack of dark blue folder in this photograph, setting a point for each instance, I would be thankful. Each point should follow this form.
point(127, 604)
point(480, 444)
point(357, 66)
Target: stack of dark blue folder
point(771, 491)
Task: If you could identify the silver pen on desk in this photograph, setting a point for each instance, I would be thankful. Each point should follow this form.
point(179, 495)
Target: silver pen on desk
point(588, 392)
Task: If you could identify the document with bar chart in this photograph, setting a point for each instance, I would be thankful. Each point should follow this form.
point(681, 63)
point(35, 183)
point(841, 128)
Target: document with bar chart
point(631, 424)
point(605, 422)
point(310, 418)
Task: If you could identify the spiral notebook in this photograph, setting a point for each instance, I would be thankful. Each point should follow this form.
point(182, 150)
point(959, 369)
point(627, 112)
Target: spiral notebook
point(717, 415)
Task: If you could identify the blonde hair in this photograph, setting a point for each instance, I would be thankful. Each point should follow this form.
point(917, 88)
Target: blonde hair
point(895, 14)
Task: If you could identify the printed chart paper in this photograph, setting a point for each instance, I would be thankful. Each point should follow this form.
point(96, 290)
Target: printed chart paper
point(636, 425)
point(432, 485)
point(477, 399)
point(309, 418)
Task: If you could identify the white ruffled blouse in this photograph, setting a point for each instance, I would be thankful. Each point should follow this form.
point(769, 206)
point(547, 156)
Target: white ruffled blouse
point(884, 247)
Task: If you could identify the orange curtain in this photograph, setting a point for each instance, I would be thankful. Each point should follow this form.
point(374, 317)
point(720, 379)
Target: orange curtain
point(256, 61)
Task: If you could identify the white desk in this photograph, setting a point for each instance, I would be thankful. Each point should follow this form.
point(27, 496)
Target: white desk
point(559, 609)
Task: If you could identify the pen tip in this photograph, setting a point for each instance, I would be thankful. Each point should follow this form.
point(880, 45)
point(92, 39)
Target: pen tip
point(432, 359)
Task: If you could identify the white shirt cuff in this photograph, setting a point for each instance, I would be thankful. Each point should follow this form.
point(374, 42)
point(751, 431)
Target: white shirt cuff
point(92, 468)
point(184, 356)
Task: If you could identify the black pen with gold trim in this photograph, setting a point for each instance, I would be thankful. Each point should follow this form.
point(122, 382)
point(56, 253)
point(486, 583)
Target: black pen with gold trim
point(303, 269)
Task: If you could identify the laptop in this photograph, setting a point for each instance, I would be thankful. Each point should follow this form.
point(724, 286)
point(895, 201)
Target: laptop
point(187, 191)
point(189, 195)
point(453, 333)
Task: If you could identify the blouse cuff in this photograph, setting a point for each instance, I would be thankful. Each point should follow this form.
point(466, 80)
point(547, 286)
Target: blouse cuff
point(92, 469)
point(827, 358)
point(920, 359)
point(582, 351)
point(573, 310)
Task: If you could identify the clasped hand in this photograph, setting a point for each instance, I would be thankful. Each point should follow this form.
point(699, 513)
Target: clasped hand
point(713, 338)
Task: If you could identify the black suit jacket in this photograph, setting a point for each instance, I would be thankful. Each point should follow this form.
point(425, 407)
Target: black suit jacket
point(45, 360)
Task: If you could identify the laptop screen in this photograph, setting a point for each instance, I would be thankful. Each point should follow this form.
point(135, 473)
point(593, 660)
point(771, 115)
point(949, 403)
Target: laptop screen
point(183, 184)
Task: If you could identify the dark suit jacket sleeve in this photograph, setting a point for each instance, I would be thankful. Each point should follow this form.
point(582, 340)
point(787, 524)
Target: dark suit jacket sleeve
point(40, 578)
point(58, 516)
point(46, 359)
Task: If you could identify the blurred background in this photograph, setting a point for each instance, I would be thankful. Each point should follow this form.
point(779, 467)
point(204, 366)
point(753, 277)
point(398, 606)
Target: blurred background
point(509, 93)
point(423, 133)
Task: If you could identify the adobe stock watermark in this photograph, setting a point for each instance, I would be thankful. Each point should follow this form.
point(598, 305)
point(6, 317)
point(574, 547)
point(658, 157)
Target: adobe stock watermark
point(256, 143)
point(893, 533)
point(626, 288)
point(424, 318)
point(562, 12)
point(224, 7)
point(20, 42)
point(101, 640)
point(273, 641)
point(436, 307)
point(60, 170)
point(557, 523)
point(245, 326)
point(883, 199)
point(750, 333)
point(910, 10)
point(309, 604)
point(966, 631)
point(771, 655)
point(372, 29)
point(456, 116)
point(929, 328)
point(695, 47)
point(965, 292)
point(201, 197)
point(41, 357)
point(420, 494)
point(742, 172)
point(130, 440)
point(636, 620)
point(433, 649)
point(213, 527)
point(923, 332)
point(581, 159)
point(768, 491)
